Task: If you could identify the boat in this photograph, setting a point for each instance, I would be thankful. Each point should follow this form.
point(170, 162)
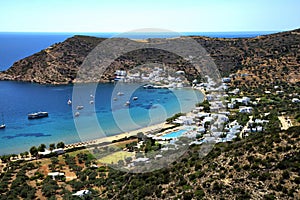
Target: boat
point(115, 99)
point(148, 86)
point(92, 96)
point(77, 114)
point(80, 107)
point(135, 98)
point(91, 102)
point(69, 102)
point(37, 115)
point(2, 126)
point(120, 94)
point(127, 103)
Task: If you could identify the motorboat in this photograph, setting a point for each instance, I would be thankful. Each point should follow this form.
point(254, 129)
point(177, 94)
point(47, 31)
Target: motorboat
point(80, 107)
point(37, 115)
point(2, 126)
point(148, 86)
point(77, 114)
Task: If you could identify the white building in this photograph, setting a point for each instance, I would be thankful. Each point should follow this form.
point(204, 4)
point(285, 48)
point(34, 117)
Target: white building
point(55, 174)
point(246, 110)
point(58, 151)
point(81, 193)
point(226, 80)
point(243, 100)
point(231, 105)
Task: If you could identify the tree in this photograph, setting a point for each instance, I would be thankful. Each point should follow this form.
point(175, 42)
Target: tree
point(52, 146)
point(128, 159)
point(140, 136)
point(42, 148)
point(33, 151)
point(60, 145)
point(22, 155)
point(26, 153)
point(54, 160)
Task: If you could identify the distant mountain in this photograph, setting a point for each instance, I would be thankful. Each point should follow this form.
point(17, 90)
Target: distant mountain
point(274, 56)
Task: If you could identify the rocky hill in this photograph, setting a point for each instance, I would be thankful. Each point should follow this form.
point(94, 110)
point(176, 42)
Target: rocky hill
point(263, 166)
point(263, 58)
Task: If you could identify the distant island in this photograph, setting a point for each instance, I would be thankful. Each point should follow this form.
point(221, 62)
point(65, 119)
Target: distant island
point(59, 63)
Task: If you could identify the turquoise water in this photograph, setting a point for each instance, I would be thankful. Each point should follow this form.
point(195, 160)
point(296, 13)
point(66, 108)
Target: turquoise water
point(105, 117)
point(175, 134)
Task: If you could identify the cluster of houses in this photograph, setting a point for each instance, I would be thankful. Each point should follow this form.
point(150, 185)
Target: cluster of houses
point(203, 126)
point(156, 76)
point(214, 125)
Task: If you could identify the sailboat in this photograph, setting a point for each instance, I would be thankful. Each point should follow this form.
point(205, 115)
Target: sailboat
point(2, 126)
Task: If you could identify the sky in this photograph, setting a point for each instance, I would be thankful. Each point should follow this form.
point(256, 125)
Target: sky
point(127, 15)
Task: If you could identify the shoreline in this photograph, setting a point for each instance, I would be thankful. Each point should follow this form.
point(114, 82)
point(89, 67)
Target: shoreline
point(145, 130)
point(122, 135)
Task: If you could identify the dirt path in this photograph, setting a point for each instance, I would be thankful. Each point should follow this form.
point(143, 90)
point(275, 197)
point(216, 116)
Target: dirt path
point(246, 126)
point(285, 123)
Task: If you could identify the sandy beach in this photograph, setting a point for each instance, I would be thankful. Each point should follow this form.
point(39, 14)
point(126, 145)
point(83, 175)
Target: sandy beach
point(145, 130)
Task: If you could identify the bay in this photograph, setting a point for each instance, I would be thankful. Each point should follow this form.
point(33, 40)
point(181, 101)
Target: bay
point(18, 99)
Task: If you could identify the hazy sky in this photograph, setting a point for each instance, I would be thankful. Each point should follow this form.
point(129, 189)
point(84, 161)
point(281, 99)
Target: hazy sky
point(126, 15)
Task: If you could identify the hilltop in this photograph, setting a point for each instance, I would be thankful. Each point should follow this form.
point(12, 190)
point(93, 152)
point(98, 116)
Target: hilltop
point(265, 59)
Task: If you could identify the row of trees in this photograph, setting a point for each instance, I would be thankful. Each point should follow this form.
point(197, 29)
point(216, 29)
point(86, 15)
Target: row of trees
point(34, 150)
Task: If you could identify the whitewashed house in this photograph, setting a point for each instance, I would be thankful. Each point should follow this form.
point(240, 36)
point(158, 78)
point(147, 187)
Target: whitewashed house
point(55, 174)
point(81, 193)
point(246, 110)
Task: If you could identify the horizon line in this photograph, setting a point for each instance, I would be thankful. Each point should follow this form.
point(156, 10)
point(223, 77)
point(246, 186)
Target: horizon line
point(147, 31)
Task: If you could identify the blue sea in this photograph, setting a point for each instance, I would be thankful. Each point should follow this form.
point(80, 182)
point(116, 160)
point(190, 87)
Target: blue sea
point(112, 116)
point(103, 118)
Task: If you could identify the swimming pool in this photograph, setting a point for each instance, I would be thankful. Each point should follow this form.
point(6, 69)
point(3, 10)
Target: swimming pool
point(175, 134)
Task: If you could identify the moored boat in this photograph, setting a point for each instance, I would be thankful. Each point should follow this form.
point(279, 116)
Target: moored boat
point(148, 86)
point(37, 115)
point(77, 114)
point(2, 126)
point(127, 103)
point(80, 107)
